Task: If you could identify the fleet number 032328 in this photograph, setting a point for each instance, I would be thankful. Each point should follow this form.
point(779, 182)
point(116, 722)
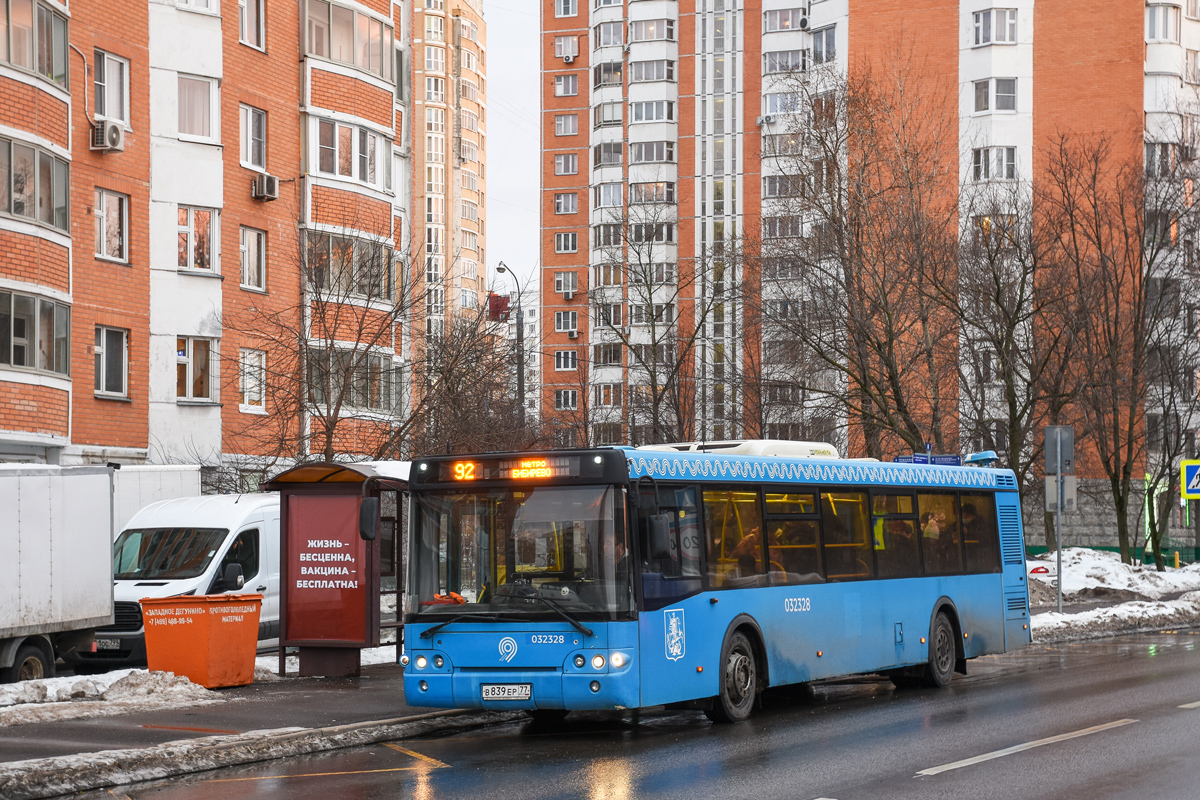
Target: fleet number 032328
point(797, 604)
point(546, 638)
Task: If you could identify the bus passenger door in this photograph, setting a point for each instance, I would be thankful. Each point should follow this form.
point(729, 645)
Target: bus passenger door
point(670, 588)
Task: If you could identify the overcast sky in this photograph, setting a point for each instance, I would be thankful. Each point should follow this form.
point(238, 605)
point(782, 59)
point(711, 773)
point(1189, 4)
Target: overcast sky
point(513, 140)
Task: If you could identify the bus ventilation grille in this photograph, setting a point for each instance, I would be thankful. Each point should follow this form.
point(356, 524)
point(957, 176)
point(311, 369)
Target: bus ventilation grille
point(1016, 603)
point(1006, 482)
point(1010, 536)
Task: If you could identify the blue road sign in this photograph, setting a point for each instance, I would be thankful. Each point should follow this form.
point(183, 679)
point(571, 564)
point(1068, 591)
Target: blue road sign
point(1190, 480)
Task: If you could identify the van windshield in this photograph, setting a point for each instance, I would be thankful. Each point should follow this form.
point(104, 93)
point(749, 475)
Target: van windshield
point(165, 553)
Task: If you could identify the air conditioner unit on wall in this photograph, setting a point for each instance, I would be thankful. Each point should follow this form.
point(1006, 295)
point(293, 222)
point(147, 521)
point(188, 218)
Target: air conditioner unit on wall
point(108, 136)
point(568, 295)
point(804, 23)
point(572, 334)
point(265, 187)
point(568, 59)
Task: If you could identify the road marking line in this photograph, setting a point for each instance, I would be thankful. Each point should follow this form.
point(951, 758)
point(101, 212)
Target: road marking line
point(415, 755)
point(1062, 737)
point(312, 775)
point(1191, 705)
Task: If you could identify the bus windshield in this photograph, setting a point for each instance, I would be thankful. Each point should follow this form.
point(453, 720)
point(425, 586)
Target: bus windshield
point(522, 550)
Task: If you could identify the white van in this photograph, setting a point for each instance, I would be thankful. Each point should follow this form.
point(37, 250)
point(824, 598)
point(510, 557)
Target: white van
point(186, 546)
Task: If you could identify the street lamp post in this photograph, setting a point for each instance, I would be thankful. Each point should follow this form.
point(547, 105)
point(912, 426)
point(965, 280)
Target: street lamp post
point(520, 342)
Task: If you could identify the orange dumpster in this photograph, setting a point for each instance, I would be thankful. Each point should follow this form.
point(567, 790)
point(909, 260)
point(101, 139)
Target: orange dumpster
point(210, 639)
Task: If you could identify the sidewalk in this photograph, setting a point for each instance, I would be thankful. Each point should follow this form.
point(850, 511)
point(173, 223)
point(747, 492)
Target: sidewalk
point(262, 721)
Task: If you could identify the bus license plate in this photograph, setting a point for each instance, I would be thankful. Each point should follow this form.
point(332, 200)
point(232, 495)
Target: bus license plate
point(507, 691)
point(108, 644)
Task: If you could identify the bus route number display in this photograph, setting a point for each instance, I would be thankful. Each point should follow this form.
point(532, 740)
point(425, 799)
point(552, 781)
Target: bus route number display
point(518, 469)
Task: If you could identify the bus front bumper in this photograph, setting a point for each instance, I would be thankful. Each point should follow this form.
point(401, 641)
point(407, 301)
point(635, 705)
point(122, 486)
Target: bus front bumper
point(569, 688)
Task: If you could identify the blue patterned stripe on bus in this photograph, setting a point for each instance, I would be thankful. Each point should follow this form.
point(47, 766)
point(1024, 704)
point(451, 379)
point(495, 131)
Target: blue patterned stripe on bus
point(1010, 535)
point(731, 467)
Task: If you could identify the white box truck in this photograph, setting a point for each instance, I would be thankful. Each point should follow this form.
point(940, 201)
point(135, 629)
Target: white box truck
point(186, 546)
point(56, 532)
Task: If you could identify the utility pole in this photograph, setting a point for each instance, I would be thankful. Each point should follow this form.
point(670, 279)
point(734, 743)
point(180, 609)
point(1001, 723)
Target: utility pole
point(520, 342)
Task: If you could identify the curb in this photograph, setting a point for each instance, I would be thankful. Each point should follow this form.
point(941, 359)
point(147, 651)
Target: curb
point(59, 775)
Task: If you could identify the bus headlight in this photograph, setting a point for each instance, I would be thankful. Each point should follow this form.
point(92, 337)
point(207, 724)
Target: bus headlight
point(421, 662)
point(618, 660)
point(438, 661)
point(404, 661)
point(598, 661)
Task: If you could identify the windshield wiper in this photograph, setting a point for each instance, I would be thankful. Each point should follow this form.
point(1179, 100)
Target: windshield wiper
point(429, 632)
point(558, 609)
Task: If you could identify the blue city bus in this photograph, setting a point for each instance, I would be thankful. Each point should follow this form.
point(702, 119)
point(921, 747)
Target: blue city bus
point(621, 578)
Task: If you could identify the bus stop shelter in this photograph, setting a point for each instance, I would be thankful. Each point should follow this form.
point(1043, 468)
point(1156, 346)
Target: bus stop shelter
point(339, 526)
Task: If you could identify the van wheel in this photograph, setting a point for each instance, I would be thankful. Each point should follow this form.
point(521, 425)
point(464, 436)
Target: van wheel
point(29, 665)
point(739, 681)
point(940, 669)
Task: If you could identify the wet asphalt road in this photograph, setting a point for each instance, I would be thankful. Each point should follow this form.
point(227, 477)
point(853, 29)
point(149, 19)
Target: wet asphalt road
point(848, 741)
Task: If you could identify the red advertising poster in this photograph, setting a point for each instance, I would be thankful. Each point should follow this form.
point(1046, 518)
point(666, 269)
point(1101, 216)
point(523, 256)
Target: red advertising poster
point(326, 570)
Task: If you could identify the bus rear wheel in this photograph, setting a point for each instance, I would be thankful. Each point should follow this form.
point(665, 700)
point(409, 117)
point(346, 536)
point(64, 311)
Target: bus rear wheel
point(940, 669)
point(739, 681)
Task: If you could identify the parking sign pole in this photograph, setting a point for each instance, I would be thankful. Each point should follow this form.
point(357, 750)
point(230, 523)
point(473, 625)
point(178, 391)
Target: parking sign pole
point(1058, 504)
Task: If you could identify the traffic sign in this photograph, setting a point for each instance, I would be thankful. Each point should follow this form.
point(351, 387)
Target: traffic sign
point(1055, 434)
point(1189, 481)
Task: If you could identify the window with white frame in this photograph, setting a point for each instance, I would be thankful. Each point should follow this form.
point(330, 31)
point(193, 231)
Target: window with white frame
point(782, 102)
point(469, 60)
point(252, 379)
point(651, 313)
point(112, 361)
point(470, 90)
point(566, 282)
point(253, 246)
point(993, 163)
point(435, 90)
point(565, 8)
point(606, 114)
point(565, 46)
point(652, 152)
point(652, 30)
point(566, 399)
point(996, 94)
point(783, 186)
point(111, 84)
point(641, 232)
point(250, 22)
point(609, 315)
point(193, 368)
point(435, 178)
point(253, 137)
point(787, 227)
point(112, 224)
point(608, 394)
point(435, 120)
point(608, 34)
point(435, 209)
point(1192, 9)
point(566, 203)
point(356, 379)
point(34, 184)
point(435, 28)
point(779, 61)
point(652, 111)
point(782, 19)
point(566, 360)
point(199, 5)
point(996, 26)
point(566, 321)
point(435, 59)
point(197, 235)
point(198, 110)
point(470, 211)
point(435, 148)
point(609, 195)
point(470, 180)
point(566, 124)
point(1191, 68)
point(566, 242)
point(608, 274)
point(652, 192)
point(352, 152)
point(470, 31)
point(345, 266)
point(824, 45)
point(607, 154)
point(607, 74)
point(650, 71)
point(566, 164)
point(39, 39)
point(566, 85)
point(351, 37)
point(607, 235)
point(470, 240)
point(468, 150)
point(1162, 23)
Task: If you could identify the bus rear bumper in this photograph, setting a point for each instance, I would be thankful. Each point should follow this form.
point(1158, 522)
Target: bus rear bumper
point(548, 689)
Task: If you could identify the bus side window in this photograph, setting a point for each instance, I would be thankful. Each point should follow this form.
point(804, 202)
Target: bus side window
point(982, 539)
point(733, 535)
point(897, 553)
point(846, 533)
point(941, 534)
point(679, 506)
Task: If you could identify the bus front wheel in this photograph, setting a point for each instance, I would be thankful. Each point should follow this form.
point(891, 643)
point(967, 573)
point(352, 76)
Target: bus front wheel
point(940, 669)
point(739, 681)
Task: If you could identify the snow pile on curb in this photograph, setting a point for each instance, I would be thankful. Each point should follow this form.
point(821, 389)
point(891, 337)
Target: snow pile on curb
point(1095, 573)
point(1124, 618)
point(119, 692)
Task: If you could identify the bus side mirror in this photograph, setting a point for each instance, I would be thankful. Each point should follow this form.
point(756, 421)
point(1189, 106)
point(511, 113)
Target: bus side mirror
point(368, 518)
point(660, 535)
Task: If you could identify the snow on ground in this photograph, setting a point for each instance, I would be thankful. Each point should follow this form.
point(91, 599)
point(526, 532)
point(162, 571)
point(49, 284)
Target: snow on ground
point(1096, 574)
point(1137, 615)
point(120, 692)
point(266, 668)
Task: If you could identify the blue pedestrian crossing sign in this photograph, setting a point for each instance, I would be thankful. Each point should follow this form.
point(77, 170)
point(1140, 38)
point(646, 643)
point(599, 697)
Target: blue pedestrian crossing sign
point(1190, 480)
